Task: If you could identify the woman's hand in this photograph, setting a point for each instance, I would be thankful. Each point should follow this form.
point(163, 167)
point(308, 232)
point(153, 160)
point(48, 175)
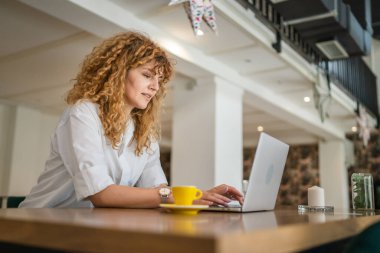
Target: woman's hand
point(220, 195)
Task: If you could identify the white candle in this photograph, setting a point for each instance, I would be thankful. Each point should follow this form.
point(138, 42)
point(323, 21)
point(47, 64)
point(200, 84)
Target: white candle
point(317, 217)
point(316, 196)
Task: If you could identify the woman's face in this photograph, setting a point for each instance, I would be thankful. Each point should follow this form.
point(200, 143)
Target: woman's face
point(141, 85)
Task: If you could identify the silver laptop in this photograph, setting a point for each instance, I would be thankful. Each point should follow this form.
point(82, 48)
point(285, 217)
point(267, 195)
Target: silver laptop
point(265, 178)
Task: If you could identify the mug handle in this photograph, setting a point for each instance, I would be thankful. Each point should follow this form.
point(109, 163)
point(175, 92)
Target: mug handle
point(198, 194)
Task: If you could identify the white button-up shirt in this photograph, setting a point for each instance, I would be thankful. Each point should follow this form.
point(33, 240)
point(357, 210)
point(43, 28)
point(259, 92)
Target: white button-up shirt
point(82, 162)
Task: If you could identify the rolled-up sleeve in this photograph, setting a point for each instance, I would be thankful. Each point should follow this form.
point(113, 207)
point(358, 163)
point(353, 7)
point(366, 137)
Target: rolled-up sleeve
point(80, 147)
point(152, 174)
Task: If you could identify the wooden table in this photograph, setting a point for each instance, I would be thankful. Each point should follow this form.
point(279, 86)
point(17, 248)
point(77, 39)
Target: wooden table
point(139, 230)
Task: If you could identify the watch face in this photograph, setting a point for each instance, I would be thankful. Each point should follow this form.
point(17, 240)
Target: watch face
point(164, 191)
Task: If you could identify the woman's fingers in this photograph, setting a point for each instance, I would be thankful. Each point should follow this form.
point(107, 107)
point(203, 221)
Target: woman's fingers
point(241, 200)
point(221, 195)
point(215, 198)
point(221, 189)
point(219, 198)
point(226, 189)
point(234, 191)
point(229, 191)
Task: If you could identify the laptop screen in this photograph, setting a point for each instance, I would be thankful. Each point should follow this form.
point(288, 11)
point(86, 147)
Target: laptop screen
point(266, 173)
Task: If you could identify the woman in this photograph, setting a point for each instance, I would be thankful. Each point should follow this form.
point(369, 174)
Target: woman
point(104, 151)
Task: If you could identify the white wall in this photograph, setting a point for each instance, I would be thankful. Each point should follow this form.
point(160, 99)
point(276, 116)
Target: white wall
point(25, 144)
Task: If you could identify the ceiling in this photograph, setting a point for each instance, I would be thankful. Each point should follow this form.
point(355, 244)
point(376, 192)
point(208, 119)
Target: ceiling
point(40, 54)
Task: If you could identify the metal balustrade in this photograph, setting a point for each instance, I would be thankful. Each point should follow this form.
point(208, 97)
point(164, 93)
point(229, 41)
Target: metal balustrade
point(355, 77)
point(351, 74)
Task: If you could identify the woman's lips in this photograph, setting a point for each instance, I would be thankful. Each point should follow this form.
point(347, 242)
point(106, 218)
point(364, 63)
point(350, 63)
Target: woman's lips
point(148, 96)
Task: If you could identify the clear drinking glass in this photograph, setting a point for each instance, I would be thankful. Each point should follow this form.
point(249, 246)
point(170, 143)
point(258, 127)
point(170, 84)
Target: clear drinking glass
point(362, 191)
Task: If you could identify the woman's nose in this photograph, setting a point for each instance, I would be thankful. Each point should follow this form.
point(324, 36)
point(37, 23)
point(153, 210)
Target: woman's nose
point(155, 85)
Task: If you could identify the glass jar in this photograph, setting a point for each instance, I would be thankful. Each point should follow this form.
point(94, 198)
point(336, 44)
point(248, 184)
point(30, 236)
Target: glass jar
point(362, 191)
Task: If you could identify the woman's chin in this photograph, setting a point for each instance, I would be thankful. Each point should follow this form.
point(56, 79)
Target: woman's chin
point(142, 106)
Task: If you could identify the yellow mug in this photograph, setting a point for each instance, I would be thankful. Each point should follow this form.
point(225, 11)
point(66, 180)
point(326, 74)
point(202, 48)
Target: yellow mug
point(185, 195)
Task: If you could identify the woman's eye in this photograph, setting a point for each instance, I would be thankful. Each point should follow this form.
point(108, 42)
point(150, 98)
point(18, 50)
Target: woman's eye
point(147, 75)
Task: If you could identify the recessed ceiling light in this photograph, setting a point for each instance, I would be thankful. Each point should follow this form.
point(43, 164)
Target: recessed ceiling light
point(354, 129)
point(306, 99)
point(260, 128)
point(248, 60)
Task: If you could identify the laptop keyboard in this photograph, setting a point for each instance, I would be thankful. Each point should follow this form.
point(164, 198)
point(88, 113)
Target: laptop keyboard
point(233, 204)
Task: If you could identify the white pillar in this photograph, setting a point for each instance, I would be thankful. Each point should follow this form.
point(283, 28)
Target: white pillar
point(7, 125)
point(333, 173)
point(207, 136)
point(376, 64)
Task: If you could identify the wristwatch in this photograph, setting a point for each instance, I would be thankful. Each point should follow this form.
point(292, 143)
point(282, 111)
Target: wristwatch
point(164, 194)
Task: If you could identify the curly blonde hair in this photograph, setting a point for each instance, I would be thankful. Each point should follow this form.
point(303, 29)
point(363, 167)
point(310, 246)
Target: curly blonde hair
point(101, 80)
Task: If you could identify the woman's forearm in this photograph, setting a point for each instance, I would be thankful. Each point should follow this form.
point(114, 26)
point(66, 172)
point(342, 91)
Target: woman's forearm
point(125, 196)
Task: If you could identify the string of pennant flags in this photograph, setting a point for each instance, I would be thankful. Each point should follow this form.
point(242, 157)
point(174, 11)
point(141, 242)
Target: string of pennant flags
point(198, 11)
